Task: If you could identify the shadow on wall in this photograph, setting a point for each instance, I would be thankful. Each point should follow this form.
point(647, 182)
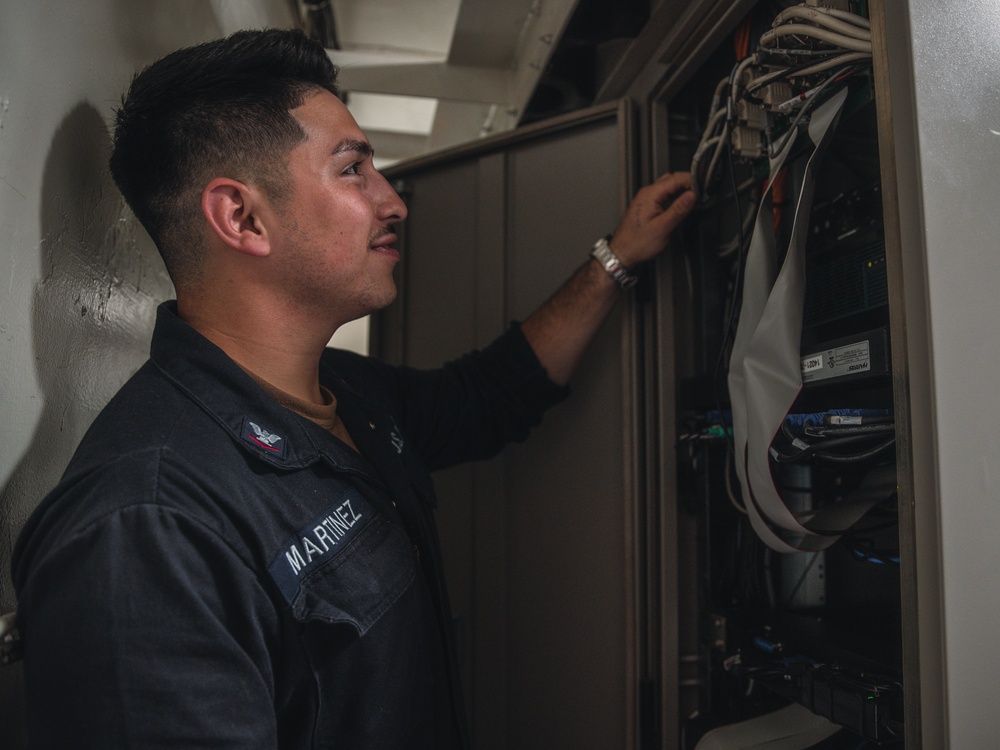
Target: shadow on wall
point(92, 315)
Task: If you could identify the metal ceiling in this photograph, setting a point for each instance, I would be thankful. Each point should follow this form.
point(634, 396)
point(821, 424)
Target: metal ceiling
point(422, 76)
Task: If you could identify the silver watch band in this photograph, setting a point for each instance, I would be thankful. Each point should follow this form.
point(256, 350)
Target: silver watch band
point(623, 277)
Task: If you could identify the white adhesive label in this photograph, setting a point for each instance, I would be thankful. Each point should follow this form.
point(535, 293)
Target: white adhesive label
point(850, 359)
point(812, 362)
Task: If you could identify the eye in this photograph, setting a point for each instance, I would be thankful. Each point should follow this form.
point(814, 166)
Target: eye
point(355, 168)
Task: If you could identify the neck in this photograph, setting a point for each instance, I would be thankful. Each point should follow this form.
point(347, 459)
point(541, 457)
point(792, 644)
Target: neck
point(276, 348)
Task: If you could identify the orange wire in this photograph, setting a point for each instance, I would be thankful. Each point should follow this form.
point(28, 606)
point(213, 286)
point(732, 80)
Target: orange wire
point(742, 39)
point(779, 194)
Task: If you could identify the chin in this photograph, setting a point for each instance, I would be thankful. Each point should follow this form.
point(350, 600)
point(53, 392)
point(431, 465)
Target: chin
point(382, 299)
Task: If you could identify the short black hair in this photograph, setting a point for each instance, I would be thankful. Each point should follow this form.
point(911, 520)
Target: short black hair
point(218, 109)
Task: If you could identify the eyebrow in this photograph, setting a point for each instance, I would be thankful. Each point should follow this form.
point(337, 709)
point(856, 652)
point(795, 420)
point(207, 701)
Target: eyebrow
point(362, 148)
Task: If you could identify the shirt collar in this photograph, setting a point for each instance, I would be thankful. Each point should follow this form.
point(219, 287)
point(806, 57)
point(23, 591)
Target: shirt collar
point(256, 421)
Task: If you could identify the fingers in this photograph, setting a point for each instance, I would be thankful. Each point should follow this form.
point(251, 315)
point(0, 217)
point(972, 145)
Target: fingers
point(655, 212)
point(680, 206)
point(670, 193)
point(673, 196)
point(671, 183)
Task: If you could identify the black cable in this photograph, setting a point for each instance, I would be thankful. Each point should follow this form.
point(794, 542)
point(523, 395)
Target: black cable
point(811, 448)
point(857, 457)
point(786, 431)
point(821, 445)
point(727, 331)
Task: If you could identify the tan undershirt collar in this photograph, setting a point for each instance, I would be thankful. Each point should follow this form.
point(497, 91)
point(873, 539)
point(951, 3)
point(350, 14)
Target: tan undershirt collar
point(324, 415)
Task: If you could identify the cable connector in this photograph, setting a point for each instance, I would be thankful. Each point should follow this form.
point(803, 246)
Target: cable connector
point(751, 115)
point(747, 143)
point(772, 95)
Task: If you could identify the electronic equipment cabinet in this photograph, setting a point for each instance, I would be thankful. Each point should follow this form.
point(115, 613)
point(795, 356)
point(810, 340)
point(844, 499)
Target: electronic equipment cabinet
point(786, 460)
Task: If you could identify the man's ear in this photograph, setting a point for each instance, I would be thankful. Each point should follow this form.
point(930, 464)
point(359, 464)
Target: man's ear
point(232, 211)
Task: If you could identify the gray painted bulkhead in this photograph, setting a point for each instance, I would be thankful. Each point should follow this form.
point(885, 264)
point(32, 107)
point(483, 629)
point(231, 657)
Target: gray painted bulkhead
point(540, 542)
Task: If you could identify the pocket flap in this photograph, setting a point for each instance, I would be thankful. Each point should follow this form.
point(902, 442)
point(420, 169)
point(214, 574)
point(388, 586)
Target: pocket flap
point(348, 566)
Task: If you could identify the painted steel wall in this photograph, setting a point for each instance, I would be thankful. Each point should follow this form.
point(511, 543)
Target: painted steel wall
point(943, 70)
point(79, 278)
point(956, 123)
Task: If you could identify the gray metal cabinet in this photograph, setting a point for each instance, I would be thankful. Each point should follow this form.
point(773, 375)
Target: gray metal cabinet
point(540, 546)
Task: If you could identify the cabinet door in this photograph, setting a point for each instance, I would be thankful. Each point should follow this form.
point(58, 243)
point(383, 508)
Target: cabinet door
point(539, 542)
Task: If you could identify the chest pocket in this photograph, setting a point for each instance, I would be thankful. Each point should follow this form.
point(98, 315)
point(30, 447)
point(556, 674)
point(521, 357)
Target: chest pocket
point(349, 565)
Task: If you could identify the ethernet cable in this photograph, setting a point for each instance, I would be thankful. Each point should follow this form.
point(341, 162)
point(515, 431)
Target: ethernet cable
point(813, 32)
point(827, 20)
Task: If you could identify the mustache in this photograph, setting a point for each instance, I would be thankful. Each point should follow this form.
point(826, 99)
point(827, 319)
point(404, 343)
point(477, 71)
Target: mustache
point(378, 235)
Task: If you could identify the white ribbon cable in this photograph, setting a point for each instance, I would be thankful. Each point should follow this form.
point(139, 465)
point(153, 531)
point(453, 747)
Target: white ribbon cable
point(765, 368)
point(760, 269)
point(772, 366)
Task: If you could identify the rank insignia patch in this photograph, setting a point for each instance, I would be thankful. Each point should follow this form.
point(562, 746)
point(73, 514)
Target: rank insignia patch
point(262, 438)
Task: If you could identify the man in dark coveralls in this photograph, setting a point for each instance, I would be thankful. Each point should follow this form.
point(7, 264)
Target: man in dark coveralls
point(242, 552)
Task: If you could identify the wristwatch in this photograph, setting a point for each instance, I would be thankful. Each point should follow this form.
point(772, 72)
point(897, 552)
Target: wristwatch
point(623, 277)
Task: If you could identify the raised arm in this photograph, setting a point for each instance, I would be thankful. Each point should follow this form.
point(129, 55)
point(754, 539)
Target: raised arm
point(562, 328)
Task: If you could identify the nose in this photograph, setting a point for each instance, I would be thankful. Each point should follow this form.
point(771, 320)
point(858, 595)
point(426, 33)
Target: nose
point(391, 206)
